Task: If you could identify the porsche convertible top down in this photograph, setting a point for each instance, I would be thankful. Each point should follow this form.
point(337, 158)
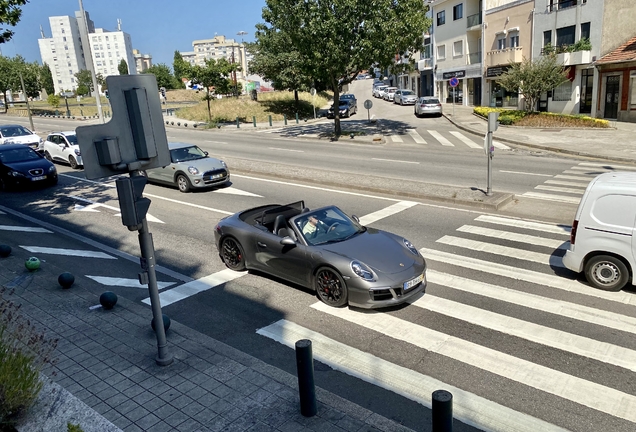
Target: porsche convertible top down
point(324, 250)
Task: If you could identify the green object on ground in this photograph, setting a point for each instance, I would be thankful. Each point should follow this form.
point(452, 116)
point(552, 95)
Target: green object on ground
point(32, 264)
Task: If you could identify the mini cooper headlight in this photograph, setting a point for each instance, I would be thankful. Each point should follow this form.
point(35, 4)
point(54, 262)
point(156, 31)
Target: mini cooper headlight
point(410, 246)
point(363, 271)
point(193, 170)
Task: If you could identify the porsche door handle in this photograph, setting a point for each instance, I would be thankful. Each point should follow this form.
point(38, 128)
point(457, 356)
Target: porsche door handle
point(261, 244)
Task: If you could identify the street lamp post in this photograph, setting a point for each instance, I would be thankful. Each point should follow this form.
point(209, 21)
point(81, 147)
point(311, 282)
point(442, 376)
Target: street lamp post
point(241, 55)
point(68, 111)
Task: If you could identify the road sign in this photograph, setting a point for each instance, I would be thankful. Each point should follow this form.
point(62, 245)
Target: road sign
point(313, 91)
point(368, 104)
point(453, 82)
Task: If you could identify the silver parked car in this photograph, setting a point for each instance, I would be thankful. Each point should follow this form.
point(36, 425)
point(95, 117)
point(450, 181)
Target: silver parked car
point(405, 97)
point(388, 93)
point(191, 168)
point(377, 90)
point(428, 105)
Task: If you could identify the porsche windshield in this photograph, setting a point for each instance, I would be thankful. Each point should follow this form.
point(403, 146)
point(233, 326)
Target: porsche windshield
point(328, 225)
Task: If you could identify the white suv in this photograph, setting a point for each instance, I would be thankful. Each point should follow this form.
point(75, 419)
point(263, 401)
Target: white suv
point(63, 147)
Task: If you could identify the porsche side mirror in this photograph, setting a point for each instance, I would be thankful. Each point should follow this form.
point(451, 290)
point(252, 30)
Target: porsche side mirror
point(355, 218)
point(287, 241)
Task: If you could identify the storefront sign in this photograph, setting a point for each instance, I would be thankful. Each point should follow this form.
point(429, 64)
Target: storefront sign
point(496, 71)
point(456, 74)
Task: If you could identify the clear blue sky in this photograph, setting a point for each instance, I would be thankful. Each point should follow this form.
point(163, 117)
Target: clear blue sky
point(157, 27)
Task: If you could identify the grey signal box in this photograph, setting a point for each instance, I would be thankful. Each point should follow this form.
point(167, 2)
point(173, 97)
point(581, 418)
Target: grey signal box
point(135, 137)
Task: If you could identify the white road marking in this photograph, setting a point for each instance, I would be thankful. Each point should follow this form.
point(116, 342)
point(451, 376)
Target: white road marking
point(558, 307)
point(129, 283)
point(608, 166)
point(520, 238)
point(270, 130)
point(527, 276)
point(215, 142)
point(551, 260)
point(578, 390)
point(93, 206)
point(561, 189)
point(596, 168)
point(416, 137)
point(525, 173)
point(569, 342)
point(88, 208)
point(443, 141)
point(518, 223)
point(571, 177)
point(234, 191)
point(466, 140)
point(396, 138)
point(189, 289)
point(24, 229)
point(591, 173)
point(67, 252)
point(284, 149)
point(386, 212)
point(567, 183)
point(548, 197)
point(468, 407)
point(500, 146)
point(394, 160)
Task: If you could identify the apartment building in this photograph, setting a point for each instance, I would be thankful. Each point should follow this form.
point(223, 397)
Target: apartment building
point(142, 61)
point(216, 48)
point(64, 50)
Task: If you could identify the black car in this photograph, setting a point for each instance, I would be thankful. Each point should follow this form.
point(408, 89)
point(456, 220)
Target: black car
point(352, 98)
point(20, 165)
point(346, 107)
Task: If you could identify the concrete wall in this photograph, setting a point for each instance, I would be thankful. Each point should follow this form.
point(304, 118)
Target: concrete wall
point(619, 24)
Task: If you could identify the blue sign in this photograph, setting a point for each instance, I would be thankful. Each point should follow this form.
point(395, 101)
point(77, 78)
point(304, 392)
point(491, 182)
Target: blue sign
point(453, 82)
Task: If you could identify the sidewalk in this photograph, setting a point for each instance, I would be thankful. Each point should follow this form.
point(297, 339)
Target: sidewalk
point(106, 378)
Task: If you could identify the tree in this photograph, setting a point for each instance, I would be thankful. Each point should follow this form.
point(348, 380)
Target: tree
point(336, 39)
point(101, 82)
point(10, 13)
point(46, 77)
point(215, 74)
point(123, 67)
point(13, 68)
point(532, 78)
point(164, 76)
point(84, 79)
point(53, 100)
point(180, 66)
point(5, 78)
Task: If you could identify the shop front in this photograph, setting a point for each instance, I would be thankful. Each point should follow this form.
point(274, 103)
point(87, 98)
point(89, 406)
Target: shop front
point(498, 96)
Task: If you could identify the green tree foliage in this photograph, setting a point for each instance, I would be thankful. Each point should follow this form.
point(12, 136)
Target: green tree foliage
point(10, 70)
point(46, 77)
point(336, 39)
point(10, 13)
point(101, 81)
point(180, 66)
point(164, 76)
point(215, 74)
point(532, 78)
point(53, 100)
point(84, 79)
point(123, 67)
point(5, 77)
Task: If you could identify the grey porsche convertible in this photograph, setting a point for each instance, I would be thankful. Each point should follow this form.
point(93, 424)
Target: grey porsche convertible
point(324, 250)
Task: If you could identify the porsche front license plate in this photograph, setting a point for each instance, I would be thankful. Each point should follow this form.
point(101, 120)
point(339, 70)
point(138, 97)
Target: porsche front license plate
point(413, 282)
point(38, 178)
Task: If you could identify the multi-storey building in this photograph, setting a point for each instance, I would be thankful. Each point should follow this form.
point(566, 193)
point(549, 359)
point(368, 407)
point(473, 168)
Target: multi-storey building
point(64, 50)
point(142, 61)
point(217, 48)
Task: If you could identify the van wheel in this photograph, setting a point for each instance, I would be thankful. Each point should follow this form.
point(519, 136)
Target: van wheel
point(607, 273)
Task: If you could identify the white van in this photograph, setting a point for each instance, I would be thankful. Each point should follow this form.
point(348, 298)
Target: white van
point(602, 242)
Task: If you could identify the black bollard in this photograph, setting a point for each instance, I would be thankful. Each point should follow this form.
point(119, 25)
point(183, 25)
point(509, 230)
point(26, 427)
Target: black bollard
point(306, 386)
point(442, 408)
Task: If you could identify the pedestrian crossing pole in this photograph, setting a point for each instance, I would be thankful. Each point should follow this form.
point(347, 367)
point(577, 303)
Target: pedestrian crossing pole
point(489, 148)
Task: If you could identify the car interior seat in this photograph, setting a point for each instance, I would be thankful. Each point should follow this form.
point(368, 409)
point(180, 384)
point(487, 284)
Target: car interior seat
point(279, 223)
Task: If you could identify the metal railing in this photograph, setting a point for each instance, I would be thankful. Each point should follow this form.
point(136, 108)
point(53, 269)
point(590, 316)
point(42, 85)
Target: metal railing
point(473, 20)
point(564, 4)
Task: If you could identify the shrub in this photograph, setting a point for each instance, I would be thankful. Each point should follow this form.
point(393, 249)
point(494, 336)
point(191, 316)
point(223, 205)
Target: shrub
point(53, 100)
point(24, 352)
point(70, 427)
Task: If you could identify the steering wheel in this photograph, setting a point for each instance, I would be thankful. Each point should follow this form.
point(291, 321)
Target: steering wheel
point(333, 226)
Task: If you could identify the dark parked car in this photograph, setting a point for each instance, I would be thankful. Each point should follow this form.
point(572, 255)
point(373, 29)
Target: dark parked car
point(20, 165)
point(347, 108)
point(324, 250)
point(352, 98)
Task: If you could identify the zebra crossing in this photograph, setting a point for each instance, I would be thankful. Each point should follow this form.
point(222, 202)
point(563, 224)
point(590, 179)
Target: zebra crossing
point(569, 186)
point(517, 292)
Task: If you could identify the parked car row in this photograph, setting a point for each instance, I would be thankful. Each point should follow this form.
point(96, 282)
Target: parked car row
point(425, 105)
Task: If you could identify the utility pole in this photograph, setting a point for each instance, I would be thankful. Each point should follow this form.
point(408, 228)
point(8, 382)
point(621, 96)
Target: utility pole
point(89, 62)
point(234, 75)
point(26, 97)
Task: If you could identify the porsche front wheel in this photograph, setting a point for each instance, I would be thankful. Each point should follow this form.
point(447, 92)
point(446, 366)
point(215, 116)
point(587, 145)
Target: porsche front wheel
point(232, 254)
point(330, 287)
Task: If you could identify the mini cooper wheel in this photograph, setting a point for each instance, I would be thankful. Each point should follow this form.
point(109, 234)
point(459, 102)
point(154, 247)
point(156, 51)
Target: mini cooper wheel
point(72, 162)
point(183, 183)
point(330, 287)
point(232, 254)
point(606, 272)
point(47, 156)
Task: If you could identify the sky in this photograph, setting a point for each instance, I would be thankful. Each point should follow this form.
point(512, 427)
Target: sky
point(156, 27)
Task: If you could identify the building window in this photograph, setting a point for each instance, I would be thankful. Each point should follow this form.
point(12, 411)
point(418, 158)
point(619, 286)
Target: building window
point(64, 38)
point(547, 37)
point(107, 46)
point(63, 31)
point(59, 81)
point(68, 64)
point(70, 71)
point(563, 92)
point(73, 80)
point(565, 36)
point(106, 37)
point(458, 12)
point(585, 30)
point(99, 38)
point(66, 47)
point(514, 40)
point(501, 43)
point(94, 38)
point(441, 18)
point(458, 48)
point(441, 52)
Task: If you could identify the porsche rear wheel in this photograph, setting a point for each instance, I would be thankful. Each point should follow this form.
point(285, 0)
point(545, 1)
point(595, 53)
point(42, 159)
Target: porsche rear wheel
point(232, 254)
point(330, 287)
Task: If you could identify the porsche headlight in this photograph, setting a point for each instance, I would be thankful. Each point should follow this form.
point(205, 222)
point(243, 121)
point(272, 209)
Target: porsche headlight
point(363, 271)
point(193, 170)
point(410, 246)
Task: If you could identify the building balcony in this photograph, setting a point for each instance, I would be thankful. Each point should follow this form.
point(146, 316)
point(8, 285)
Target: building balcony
point(473, 20)
point(473, 58)
point(575, 58)
point(556, 5)
point(425, 64)
point(504, 57)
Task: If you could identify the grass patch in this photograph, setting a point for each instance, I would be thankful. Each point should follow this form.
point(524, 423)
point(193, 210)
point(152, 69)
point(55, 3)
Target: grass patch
point(542, 119)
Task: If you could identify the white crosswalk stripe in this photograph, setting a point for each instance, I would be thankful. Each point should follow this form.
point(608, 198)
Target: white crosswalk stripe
point(443, 141)
point(500, 146)
point(521, 238)
point(550, 197)
point(416, 137)
point(465, 140)
point(561, 189)
point(607, 166)
point(537, 226)
point(396, 138)
point(567, 183)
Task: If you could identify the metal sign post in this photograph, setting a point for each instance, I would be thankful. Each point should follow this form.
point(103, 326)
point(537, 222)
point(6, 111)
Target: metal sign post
point(313, 94)
point(454, 82)
point(489, 148)
point(368, 104)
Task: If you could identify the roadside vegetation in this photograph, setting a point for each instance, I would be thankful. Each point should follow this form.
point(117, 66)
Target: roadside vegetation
point(541, 119)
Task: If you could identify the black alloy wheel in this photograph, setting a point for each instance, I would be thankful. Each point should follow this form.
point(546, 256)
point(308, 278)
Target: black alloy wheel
point(232, 254)
point(330, 287)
